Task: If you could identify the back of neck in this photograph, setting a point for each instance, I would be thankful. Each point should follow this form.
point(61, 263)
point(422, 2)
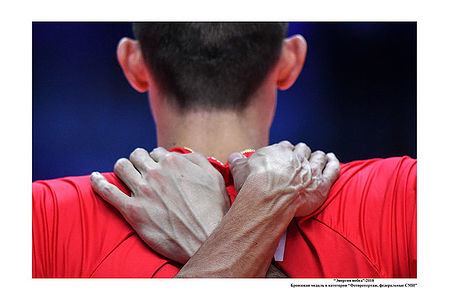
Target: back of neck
point(213, 133)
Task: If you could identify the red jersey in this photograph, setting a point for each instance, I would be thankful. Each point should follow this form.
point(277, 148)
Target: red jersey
point(366, 228)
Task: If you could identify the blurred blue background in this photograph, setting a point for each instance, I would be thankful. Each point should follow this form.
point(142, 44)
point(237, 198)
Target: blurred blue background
point(356, 95)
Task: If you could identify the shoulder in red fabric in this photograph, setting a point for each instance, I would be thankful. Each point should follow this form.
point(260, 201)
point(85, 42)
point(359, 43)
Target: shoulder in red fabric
point(366, 228)
point(77, 234)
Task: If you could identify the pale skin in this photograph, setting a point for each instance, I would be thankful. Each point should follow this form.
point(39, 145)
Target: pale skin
point(177, 200)
point(276, 184)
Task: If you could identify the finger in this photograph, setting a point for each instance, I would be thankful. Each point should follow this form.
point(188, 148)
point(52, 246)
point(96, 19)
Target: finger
point(286, 144)
point(303, 150)
point(141, 160)
point(332, 169)
point(235, 156)
point(318, 160)
point(109, 192)
point(238, 164)
point(125, 170)
point(198, 159)
point(158, 153)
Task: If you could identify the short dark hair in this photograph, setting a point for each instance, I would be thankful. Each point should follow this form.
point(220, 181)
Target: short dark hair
point(210, 65)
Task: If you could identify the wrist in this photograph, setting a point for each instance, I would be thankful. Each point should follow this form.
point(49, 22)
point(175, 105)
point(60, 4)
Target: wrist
point(244, 242)
point(276, 205)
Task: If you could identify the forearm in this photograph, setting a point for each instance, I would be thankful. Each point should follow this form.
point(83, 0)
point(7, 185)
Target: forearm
point(244, 243)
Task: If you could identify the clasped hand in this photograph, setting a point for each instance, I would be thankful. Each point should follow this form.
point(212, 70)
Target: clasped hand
point(293, 170)
point(177, 200)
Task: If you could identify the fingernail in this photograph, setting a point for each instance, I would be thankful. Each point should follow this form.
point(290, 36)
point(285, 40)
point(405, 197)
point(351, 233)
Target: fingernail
point(234, 156)
point(95, 174)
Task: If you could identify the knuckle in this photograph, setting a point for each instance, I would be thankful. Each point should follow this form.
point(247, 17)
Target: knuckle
point(332, 157)
point(319, 153)
point(106, 189)
point(159, 150)
point(153, 173)
point(198, 155)
point(302, 145)
point(95, 180)
point(238, 163)
point(153, 177)
point(285, 143)
point(133, 211)
point(156, 151)
point(145, 189)
point(171, 159)
point(136, 153)
point(140, 150)
point(120, 164)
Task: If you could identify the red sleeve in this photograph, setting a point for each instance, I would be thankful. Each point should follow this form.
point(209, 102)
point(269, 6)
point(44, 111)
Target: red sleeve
point(373, 205)
point(366, 227)
point(73, 229)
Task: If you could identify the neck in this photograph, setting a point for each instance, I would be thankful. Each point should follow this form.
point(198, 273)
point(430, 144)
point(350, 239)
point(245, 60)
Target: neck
point(213, 133)
point(216, 133)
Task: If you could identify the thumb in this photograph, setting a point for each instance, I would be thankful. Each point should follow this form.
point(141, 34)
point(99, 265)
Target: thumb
point(238, 164)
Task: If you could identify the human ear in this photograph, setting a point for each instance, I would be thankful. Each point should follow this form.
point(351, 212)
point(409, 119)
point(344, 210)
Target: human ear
point(291, 61)
point(131, 60)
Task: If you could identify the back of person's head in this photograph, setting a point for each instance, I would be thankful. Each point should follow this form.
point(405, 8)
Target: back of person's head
point(210, 65)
